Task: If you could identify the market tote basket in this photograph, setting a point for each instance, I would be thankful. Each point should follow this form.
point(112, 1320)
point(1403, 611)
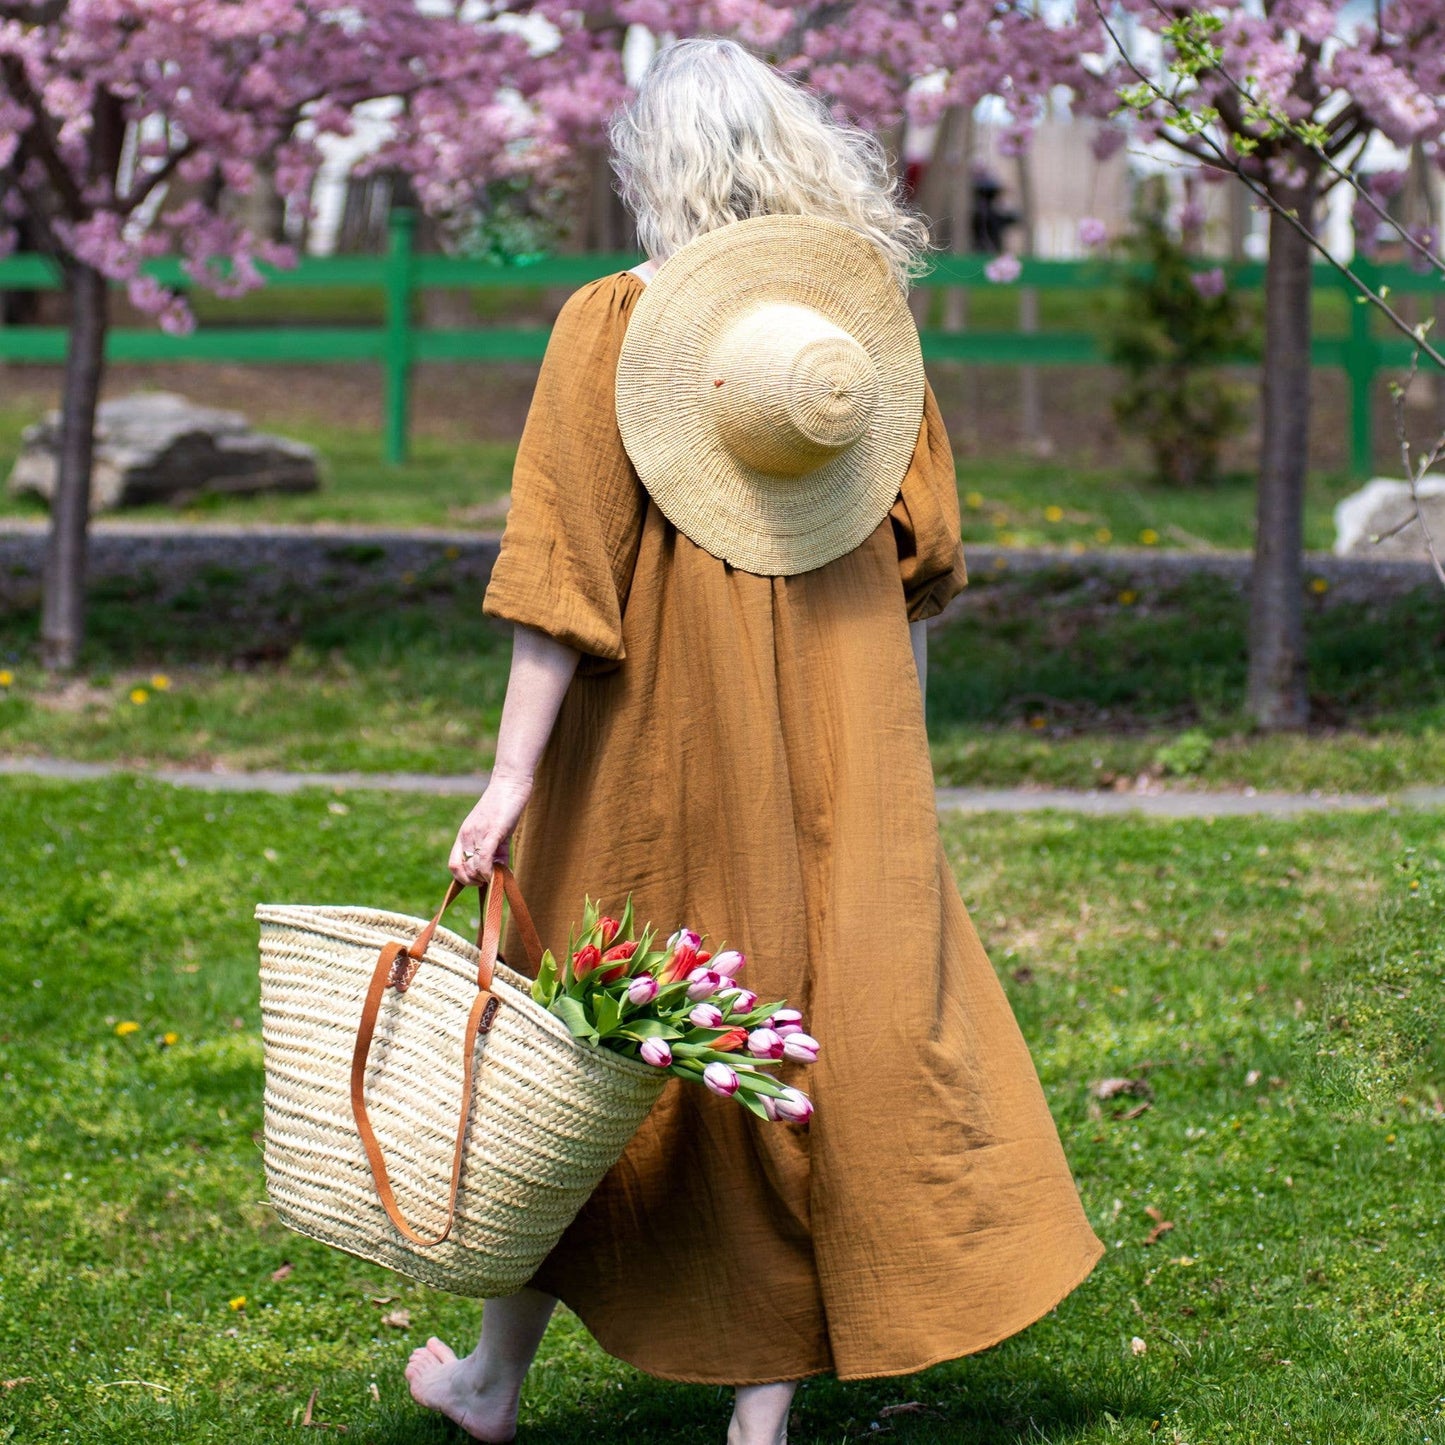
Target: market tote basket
point(422, 1111)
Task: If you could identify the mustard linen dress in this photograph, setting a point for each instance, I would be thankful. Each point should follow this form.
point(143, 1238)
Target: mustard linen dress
point(746, 755)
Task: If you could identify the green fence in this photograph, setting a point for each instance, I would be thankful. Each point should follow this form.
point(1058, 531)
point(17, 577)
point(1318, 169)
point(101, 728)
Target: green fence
point(1362, 353)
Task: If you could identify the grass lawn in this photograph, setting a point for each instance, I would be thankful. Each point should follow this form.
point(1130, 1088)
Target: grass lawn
point(1274, 986)
point(1008, 500)
point(1065, 681)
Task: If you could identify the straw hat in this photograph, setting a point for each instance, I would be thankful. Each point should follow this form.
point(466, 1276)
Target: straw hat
point(770, 391)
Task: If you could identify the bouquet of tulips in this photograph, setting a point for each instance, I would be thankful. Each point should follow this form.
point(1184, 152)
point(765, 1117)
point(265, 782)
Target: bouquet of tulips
point(676, 1007)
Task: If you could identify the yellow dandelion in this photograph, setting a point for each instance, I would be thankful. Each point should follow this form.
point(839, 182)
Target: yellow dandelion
point(1149, 537)
point(239, 1303)
point(1319, 586)
point(139, 695)
point(170, 1039)
point(1103, 535)
point(1128, 597)
point(452, 553)
point(999, 519)
point(127, 1026)
point(1006, 539)
point(1076, 547)
point(1053, 514)
point(160, 681)
point(974, 500)
point(1414, 884)
point(1389, 1138)
point(7, 677)
point(1038, 722)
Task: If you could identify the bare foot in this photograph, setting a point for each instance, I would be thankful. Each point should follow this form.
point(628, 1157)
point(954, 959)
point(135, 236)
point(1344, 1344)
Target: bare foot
point(440, 1381)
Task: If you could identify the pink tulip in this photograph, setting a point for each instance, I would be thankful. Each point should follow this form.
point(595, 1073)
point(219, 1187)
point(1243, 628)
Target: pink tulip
point(766, 1043)
point(706, 1016)
point(800, 1046)
point(656, 1052)
point(721, 1080)
point(729, 963)
point(786, 1021)
point(685, 936)
point(770, 1107)
point(642, 989)
point(705, 984)
point(740, 1000)
point(795, 1107)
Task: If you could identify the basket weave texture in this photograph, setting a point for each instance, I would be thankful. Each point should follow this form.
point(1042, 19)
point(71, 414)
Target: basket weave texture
point(547, 1116)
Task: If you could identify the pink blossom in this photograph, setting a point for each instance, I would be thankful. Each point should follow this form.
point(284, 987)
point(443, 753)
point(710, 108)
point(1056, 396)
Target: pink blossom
point(801, 1047)
point(1092, 231)
point(765, 1043)
point(656, 1052)
point(1209, 283)
point(685, 938)
point(706, 1016)
point(720, 1079)
point(643, 989)
point(1003, 269)
point(739, 1000)
point(786, 1021)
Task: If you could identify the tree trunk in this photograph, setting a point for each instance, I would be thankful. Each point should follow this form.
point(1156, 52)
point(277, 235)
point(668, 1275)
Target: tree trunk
point(1277, 694)
point(62, 618)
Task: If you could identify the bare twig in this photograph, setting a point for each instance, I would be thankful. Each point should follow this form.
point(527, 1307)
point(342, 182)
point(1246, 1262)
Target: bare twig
point(1225, 162)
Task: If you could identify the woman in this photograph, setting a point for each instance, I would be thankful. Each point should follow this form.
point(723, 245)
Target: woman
point(745, 752)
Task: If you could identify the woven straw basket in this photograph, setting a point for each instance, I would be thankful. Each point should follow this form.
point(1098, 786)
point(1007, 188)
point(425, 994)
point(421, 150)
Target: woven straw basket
point(399, 1056)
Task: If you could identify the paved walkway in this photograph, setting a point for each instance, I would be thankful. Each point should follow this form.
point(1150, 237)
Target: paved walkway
point(1160, 804)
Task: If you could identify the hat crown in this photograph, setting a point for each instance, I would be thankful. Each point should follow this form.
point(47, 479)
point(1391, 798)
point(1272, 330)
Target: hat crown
point(789, 389)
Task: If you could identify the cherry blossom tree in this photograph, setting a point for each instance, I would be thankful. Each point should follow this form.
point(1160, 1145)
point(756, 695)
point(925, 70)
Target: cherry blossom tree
point(127, 127)
point(1287, 100)
point(1284, 96)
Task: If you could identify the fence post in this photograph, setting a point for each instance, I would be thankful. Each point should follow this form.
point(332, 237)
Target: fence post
point(401, 226)
point(1361, 360)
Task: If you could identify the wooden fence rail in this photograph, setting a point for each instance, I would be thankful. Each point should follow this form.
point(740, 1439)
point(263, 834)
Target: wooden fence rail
point(398, 343)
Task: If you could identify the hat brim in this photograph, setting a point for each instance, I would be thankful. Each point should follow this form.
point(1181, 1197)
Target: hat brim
point(754, 521)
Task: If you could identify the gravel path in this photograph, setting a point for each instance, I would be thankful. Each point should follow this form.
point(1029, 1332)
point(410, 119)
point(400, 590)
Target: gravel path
point(1161, 804)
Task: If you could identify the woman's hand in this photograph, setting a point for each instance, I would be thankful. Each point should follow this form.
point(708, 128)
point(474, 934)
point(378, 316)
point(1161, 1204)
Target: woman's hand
point(542, 670)
point(486, 833)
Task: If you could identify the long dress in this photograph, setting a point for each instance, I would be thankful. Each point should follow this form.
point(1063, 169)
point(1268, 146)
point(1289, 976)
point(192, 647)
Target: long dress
point(746, 755)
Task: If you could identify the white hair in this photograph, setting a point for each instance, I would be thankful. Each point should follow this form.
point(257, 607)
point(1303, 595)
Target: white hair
point(715, 135)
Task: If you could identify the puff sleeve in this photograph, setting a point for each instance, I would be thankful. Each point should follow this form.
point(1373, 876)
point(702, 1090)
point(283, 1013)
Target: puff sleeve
point(926, 523)
point(570, 541)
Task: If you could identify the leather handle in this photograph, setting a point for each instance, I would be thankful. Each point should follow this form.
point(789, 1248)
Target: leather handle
point(396, 966)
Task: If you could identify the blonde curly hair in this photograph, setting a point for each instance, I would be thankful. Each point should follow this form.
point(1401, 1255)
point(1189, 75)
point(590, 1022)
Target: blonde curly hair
point(715, 135)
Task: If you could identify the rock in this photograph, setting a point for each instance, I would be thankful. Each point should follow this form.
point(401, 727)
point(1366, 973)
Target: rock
point(156, 446)
point(1378, 508)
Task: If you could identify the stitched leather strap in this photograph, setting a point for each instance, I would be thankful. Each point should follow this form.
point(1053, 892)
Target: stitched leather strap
point(396, 966)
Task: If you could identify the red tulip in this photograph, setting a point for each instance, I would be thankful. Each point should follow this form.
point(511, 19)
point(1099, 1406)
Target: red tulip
point(609, 928)
point(585, 960)
point(619, 954)
point(703, 955)
point(730, 1041)
point(682, 963)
